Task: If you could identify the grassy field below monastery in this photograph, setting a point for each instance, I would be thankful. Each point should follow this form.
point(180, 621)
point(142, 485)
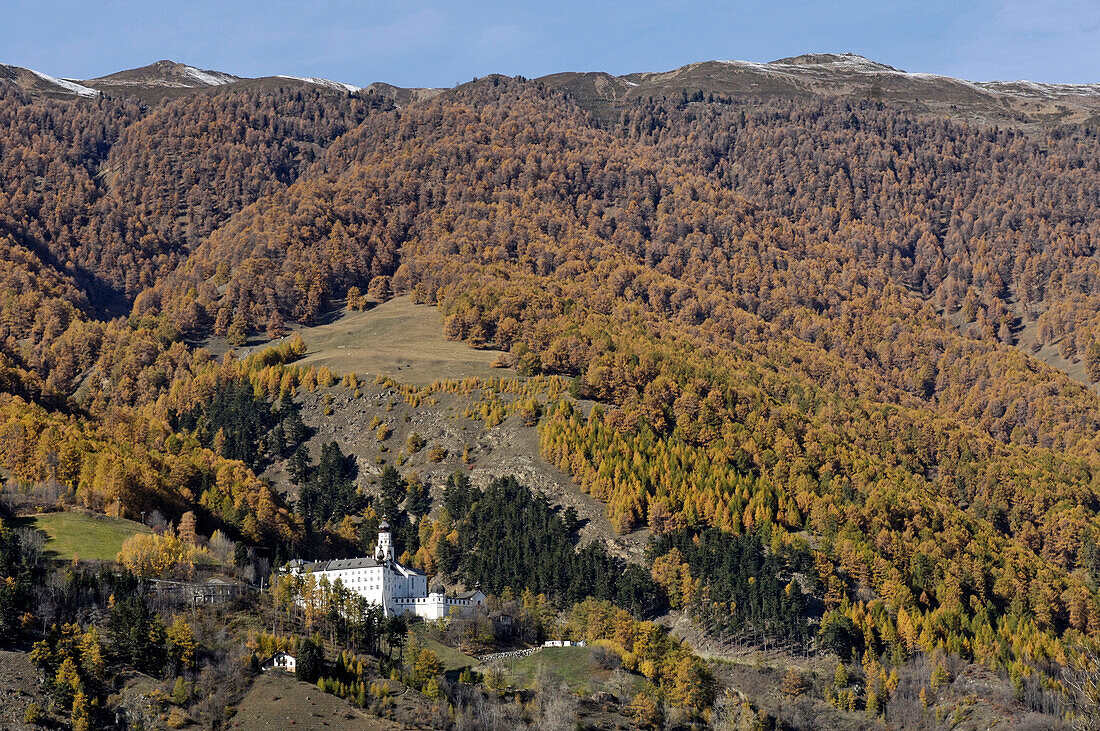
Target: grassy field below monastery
point(571, 665)
point(451, 658)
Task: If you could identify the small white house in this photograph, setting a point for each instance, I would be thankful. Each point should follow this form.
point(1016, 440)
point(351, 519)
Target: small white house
point(564, 643)
point(280, 661)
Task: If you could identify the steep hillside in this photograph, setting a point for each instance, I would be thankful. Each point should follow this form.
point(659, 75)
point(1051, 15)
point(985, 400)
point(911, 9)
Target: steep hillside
point(100, 200)
point(479, 431)
point(457, 437)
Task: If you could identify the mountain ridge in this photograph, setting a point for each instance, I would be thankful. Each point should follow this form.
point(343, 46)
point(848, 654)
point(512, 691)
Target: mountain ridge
point(171, 74)
point(848, 76)
point(153, 82)
point(844, 75)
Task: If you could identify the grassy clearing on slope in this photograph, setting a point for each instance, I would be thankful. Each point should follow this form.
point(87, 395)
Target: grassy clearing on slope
point(451, 658)
point(573, 665)
point(86, 536)
point(396, 338)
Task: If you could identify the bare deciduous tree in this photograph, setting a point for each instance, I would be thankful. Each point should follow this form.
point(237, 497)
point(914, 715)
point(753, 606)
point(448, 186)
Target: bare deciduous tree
point(1082, 680)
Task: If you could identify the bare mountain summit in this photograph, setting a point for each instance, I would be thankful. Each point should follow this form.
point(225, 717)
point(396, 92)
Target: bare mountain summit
point(167, 74)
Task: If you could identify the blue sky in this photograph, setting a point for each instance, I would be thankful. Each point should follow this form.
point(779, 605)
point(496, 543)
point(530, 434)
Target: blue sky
point(440, 43)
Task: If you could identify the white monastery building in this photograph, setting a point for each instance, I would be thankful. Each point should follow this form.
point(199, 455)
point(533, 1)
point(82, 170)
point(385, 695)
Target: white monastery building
point(382, 580)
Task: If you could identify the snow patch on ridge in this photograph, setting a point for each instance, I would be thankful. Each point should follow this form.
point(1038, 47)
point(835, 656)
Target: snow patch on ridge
point(209, 78)
point(849, 63)
point(854, 63)
point(328, 83)
point(1025, 88)
point(68, 86)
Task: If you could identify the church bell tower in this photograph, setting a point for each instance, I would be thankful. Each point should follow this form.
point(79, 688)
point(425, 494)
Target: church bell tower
point(383, 553)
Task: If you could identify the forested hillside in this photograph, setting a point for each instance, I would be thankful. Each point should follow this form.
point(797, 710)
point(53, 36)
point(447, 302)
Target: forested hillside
point(800, 321)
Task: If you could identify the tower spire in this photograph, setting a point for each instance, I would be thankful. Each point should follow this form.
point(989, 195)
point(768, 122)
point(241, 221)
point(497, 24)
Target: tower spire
point(383, 552)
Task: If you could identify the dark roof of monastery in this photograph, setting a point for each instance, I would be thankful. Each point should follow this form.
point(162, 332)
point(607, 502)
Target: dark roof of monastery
point(343, 564)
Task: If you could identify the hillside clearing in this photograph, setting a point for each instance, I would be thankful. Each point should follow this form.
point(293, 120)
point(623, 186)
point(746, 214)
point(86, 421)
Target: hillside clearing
point(573, 665)
point(85, 536)
point(396, 338)
point(451, 658)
